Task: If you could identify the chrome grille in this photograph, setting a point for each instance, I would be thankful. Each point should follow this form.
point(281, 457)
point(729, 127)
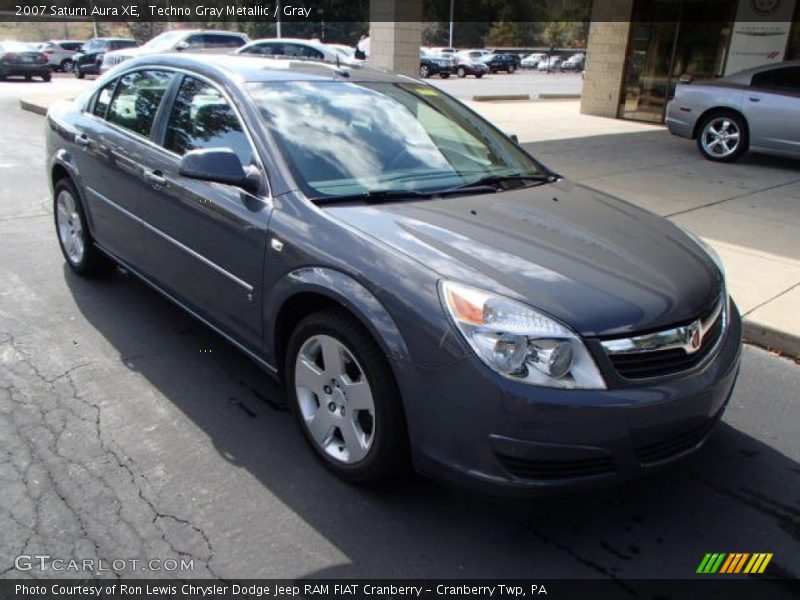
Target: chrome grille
point(670, 351)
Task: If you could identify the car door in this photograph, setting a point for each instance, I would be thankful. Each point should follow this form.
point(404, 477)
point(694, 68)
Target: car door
point(212, 244)
point(772, 109)
point(112, 143)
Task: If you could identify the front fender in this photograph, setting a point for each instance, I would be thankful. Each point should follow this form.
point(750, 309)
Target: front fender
point(346, 291)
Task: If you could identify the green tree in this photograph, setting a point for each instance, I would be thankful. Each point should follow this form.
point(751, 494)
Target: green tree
point(503, 33)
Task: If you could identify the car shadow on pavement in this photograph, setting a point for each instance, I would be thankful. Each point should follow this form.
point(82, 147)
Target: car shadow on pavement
point(737, 494)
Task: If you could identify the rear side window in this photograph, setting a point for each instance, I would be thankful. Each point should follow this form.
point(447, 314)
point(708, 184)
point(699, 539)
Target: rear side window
point(71, 46)
point(137, 98)
point(301, 51)
point(202, 118)
point(103, 99)
point(265, 49)
point(120, 44)
point(786, 79)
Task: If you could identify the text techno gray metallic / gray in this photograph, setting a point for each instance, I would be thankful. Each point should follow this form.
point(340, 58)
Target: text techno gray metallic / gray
point(431, 295)
point(757, 109)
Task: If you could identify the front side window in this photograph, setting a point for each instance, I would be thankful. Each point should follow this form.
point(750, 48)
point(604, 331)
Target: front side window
point(344, 139)
point(301, 51)
point(220, 40)
point(265, 49)
point(202, 118)
point(103, 99)
point(137, 98)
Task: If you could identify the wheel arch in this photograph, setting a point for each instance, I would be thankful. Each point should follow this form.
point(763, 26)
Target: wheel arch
point(309, 289)
point(714, 110)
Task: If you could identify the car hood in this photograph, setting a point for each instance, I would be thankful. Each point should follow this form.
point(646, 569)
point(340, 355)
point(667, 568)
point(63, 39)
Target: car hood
point(596, 263)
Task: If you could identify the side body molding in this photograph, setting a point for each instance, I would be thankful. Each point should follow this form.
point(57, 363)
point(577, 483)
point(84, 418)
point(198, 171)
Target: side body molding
point(343, 289)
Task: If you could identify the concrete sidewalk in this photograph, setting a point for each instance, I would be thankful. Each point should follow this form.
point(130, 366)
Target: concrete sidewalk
point(748, 211)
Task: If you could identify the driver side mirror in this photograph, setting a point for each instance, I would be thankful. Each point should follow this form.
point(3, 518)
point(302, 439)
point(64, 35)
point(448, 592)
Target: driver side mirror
point(513, 137)
point(218, 165)
point(181, 46)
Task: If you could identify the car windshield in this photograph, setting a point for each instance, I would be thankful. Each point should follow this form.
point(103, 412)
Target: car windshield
point(164, 41)
point(350, 138)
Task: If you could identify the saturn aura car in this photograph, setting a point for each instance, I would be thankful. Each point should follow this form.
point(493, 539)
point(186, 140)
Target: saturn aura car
point(430, 294)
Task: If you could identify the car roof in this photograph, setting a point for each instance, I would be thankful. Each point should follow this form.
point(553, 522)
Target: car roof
point(743, 77)
point(246, 68)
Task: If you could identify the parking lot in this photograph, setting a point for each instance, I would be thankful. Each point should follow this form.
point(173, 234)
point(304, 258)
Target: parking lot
point(128, 430)
point(532, 83)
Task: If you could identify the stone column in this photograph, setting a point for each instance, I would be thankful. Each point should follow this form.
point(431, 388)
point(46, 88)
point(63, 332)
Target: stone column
point(605, 57)
point(395, 35)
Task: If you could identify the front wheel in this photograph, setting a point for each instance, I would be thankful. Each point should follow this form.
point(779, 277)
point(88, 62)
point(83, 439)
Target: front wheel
point(461, 72)
point(424, 72)
point(511, 69)
point(723, 137)
point(66, 65)
point(73, 234)
point(46, 77)
point(344, 397)
point(444, 75)
point(478, 75)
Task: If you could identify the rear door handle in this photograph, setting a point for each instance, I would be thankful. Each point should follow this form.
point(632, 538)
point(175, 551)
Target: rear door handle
point(755, 99)
point(83, 141)
point(155, 178)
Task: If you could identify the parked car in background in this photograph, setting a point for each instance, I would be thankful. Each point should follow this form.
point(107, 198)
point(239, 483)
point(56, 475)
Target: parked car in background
point(574, 63)
point(60, 52)
point(346, 53)
point(442, 50)
point(501, 62)
point(429, 293)
point(550, 63)
point(89, 59)
point(435, 64)
point(180, 40)
point(21, 59)
point(470, 63)
point(757, 109)
point(532, 60)
point(296, 48)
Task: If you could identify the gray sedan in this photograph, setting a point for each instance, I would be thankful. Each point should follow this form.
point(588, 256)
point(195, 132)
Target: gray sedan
point(757, 109)
point(429, 293)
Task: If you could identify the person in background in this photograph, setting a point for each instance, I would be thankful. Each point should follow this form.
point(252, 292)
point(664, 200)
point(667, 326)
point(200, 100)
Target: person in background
point(362, 48)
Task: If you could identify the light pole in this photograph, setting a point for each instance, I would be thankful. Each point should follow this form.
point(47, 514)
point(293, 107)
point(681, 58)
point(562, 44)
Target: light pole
point(451, 23)
point(278, 15)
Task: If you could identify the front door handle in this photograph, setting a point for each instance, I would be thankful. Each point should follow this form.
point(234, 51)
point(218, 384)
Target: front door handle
point(155, 178)
point(754, 99)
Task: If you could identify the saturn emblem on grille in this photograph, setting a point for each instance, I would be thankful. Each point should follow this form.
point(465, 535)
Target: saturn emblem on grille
point(691, 337)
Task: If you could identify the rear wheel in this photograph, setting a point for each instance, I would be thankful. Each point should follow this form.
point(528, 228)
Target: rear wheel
point(478, 75)
point(46, 77)
point(66, 65)
point(73, 234)
point(424, 72)
point(344, 397)
point(444, 75)
point(461, 72)
point(723, 137)
point(78, 73)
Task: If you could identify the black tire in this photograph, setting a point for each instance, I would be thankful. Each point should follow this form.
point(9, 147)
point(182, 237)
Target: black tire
point(388, 455)
point(93, 262)
point(46, 77)
point(704, 137)
point(78, 73)
point(444, 75)
point(461, 72)
point(66, 65)
point(511, 69)
point(478, 75)
point(28, 77)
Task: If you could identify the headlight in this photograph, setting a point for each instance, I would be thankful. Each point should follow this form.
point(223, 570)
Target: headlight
point(518, 341)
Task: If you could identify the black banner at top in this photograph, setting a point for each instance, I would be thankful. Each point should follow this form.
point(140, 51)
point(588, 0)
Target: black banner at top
point(518, 12)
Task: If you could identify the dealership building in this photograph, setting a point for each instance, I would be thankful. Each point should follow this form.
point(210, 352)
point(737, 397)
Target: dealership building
point(638, 49)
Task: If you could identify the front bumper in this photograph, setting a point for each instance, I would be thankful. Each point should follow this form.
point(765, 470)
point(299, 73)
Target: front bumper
point(473, 427)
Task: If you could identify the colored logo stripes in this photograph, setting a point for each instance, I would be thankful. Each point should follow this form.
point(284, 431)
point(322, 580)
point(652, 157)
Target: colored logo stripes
point(737, 562)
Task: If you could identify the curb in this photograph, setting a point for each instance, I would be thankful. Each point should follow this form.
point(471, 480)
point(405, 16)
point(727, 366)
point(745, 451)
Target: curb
point(772, 339)
point(37, 109)
point(500, 97)
point(559, 96)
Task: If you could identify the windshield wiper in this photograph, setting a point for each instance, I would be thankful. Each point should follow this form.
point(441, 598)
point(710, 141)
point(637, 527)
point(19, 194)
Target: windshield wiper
point(494, 182)
point(375, 196)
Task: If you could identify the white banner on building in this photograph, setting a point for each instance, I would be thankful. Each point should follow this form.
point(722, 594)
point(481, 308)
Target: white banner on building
point(760, 33)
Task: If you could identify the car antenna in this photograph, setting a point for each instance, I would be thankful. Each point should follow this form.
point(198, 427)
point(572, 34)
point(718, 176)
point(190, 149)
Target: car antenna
point(338, 66)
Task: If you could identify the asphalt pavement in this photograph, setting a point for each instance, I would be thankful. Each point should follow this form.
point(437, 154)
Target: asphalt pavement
point(130, 431)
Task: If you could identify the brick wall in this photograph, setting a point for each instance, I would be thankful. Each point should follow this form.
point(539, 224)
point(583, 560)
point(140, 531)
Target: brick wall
point(396, 35)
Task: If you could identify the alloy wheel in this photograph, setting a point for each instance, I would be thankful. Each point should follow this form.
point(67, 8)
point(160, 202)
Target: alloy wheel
point(721, 137)
point(70, 229)
point(335, 399)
